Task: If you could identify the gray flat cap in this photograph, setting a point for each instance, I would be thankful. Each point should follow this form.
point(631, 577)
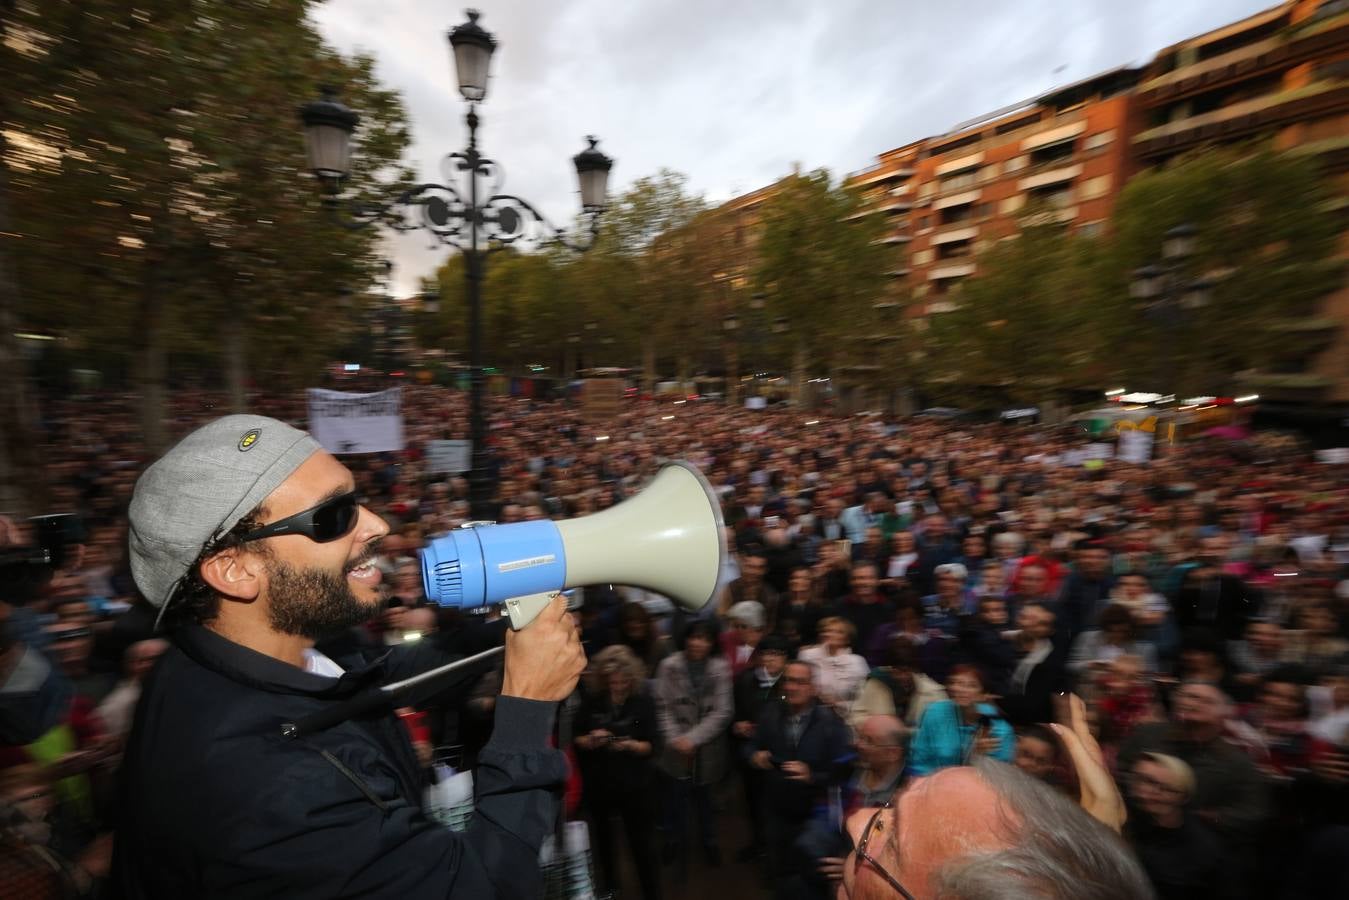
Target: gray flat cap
point(201, 488)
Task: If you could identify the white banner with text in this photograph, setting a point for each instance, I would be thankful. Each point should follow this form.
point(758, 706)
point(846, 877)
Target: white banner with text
point(356, 423)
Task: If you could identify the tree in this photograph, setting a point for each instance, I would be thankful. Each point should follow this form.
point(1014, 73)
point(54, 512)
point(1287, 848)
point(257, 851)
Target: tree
point(1029, 324)
point(635, 252)
point(158, 190)
point(1266, 240)
point(821, 267)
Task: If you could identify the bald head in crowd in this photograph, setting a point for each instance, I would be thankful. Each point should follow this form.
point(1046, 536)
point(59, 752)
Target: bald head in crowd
point(988, 832)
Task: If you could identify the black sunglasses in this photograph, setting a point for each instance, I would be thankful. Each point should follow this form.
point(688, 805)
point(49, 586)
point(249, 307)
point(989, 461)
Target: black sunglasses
point(326, 522)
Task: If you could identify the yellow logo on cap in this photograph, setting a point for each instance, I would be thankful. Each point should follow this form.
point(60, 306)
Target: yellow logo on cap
point(248, 440)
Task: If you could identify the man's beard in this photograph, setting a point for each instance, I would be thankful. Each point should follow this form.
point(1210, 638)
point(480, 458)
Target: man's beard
point(312, 603)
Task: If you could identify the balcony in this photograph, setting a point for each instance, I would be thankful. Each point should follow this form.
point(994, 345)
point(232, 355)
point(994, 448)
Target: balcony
point(1312, 40)
point(1331, 153)
point(894, 239)
point(960, 164)
point(955, 234)
point(896, 206)
point(956, 270)
point(878, 175)
point(1319, 99)
point(1053, 136)
point(1052, 176)
point(1050, 216)
point(957, 199)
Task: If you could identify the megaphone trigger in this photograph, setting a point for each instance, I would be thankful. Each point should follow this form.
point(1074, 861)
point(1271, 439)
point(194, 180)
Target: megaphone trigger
point(523, 610)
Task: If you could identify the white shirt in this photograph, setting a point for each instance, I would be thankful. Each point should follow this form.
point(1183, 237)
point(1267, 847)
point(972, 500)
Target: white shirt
point(315, 663)
point(1038, 654)
point(838, 678)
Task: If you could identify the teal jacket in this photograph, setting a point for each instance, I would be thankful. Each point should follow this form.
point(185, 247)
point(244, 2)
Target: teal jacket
point(943, 739)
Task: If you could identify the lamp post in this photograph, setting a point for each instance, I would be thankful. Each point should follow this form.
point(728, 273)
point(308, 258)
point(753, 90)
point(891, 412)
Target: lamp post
point(1167, 294)
point(476, 223)
point(731, 324)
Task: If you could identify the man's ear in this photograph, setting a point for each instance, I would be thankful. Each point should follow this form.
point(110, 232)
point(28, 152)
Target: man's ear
point(235, 574)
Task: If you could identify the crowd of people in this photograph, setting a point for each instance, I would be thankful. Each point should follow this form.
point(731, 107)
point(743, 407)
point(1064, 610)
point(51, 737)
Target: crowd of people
point(899, 597)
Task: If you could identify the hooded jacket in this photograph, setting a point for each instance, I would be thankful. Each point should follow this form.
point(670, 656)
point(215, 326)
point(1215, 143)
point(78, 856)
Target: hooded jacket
point(216, 803)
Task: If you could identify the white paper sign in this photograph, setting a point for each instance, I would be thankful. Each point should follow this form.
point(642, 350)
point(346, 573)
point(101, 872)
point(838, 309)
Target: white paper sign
point(1135, 447)
point(454, 457)
point(356, 423)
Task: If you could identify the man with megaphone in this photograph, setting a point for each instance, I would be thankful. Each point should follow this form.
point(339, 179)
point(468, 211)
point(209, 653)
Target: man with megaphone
point(252, 536)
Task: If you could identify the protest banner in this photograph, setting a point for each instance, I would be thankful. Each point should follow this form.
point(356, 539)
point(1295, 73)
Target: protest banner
point(356, 423)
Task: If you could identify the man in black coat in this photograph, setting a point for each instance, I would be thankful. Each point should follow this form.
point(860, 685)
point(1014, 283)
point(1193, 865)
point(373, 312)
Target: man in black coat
point(755, 689)
point(802, 746)
point(252, 536)
point(1211, 598)
point(1039, 671)
point(1085, 592)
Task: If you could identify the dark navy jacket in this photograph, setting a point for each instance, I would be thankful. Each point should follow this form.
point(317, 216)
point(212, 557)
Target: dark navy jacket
point(216, 803)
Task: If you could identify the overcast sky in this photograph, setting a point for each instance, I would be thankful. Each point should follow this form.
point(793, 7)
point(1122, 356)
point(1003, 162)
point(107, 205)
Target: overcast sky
point(732, 92)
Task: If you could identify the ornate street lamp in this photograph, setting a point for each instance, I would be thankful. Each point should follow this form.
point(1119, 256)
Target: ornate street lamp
point(465, 220)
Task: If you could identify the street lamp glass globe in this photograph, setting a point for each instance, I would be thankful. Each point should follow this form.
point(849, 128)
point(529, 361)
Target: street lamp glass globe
point(592, 172)
point(1197, 293)
point(1146, 284)
point(328, 126)
point(473, 47)
point(1179, 242)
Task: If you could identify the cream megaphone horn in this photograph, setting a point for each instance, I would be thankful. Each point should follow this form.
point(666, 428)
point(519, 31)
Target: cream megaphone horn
point(669, 539)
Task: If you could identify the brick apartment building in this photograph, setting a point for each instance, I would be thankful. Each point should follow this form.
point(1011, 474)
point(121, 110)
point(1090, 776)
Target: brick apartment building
point(1283, 72)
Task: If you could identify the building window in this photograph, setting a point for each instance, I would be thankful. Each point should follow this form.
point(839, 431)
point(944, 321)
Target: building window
point(1056, 196)
point(1016, 164)
point(1091, 229)
point(1012, 204)
point(924, 223)
point(964, 212)
point(968, 178)
point(1060, 152)
point(1095, 187)
point(983, 210)
point(1098, 140)
point(922, 257)
point(955, 250)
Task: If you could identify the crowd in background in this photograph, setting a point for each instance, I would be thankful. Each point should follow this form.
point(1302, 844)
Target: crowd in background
point(897, 597)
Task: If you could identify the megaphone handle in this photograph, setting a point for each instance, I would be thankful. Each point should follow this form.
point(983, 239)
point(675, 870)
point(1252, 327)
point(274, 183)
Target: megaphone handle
point(523, 610)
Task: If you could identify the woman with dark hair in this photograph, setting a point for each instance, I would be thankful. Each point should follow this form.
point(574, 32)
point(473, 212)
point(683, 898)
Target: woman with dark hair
point(1115, 635)
point(616, 737)
point(637, 632)
point(953, 731)
point(693, 708)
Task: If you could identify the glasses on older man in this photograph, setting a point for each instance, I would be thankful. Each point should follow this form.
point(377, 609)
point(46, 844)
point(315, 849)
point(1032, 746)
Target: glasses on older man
point(874, 824)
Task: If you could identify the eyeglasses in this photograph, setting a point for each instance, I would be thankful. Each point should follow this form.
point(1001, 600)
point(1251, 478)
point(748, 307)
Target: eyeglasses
point(864, 856)
point(326, 522)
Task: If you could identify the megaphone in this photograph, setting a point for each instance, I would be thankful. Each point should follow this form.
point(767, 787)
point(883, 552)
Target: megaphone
point(669, 539)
